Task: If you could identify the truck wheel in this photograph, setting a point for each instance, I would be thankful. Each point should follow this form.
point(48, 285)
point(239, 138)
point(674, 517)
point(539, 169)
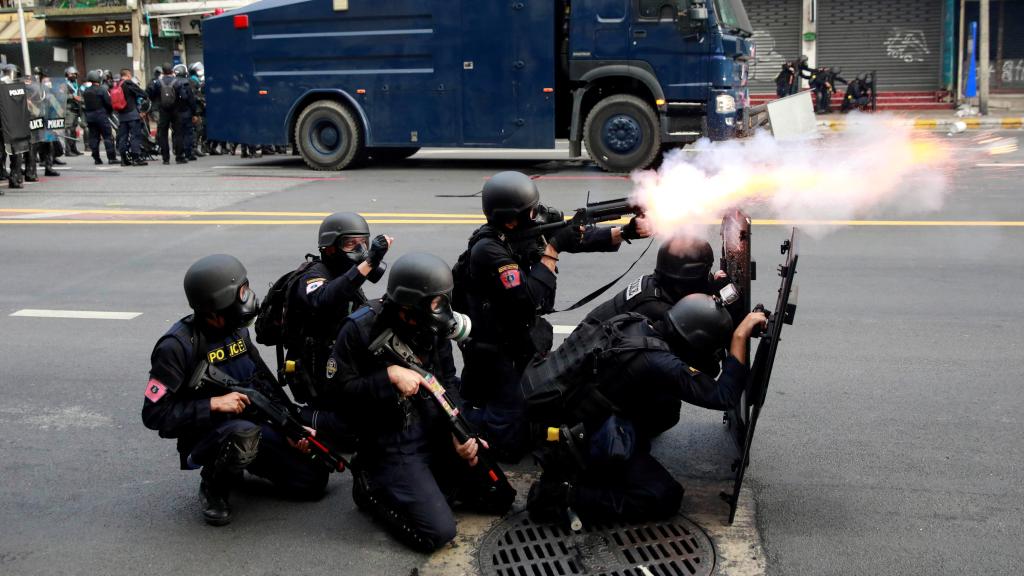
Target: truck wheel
point(621, 133)
point(328, 136)
point(391, 154)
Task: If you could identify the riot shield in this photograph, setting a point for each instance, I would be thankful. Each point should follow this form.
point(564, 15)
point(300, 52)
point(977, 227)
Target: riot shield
point(743, 418)
point(53, 111)
point(14, 117)
point(737, 264)
point(36, 95)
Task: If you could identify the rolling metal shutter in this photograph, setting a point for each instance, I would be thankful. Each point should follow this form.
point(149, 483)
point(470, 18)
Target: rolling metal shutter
point(900, 40)
point(106, 54)
point(194, 48)
point(776, 26)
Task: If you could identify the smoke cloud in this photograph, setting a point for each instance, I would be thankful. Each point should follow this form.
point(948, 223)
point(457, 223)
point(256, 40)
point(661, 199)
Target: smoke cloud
point(876, 166)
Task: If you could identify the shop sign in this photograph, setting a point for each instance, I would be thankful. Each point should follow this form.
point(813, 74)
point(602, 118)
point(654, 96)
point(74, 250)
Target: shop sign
point(99, 29)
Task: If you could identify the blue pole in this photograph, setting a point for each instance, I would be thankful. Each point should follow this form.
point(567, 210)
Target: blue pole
point(971, 90)
point(948, 32)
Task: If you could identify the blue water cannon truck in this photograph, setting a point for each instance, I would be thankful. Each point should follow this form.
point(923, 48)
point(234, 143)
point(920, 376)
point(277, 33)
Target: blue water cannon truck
point(346, 81)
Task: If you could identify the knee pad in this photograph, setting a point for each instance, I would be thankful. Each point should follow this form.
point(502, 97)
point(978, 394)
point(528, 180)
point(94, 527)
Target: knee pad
point(240, 449)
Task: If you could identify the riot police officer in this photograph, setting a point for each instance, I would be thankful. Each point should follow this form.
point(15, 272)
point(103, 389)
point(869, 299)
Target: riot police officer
point(623, 398)
point(73, 110)
point(511, 282)
point(683, 267)
point(187, 110)
point(410, 468)
point(97, 116)
point(323, 295)
point(196, 74)
point(207, 422)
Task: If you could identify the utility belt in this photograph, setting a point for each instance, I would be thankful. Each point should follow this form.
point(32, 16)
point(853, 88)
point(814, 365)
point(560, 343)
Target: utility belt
point(305, 374)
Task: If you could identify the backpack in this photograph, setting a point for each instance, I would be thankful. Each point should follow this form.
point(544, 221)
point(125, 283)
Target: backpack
point(565, 386)
point(117, 100)
point(168, 93)
point(272, 321)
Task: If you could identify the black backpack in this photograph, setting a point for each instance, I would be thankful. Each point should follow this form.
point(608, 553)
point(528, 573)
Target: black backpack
point(272, 321)
point(564, 387)
point(168, 93)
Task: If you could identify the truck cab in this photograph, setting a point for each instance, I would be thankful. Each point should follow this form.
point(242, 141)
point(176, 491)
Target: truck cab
point(349, 80)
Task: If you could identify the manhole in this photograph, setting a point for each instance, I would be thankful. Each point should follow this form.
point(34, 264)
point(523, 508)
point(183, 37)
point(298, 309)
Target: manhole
point(518, 547)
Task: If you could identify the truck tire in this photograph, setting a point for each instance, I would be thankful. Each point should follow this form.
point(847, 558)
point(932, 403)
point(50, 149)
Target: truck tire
point(328, 136)
point(391, 154)
point(622, 134)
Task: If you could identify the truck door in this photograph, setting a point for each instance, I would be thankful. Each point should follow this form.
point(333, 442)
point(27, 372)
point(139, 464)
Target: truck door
point(599, 30)
point(488, 98)
point(678, 58)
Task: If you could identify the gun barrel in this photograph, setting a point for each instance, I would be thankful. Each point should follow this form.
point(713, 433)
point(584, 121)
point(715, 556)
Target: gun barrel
point(610, 210)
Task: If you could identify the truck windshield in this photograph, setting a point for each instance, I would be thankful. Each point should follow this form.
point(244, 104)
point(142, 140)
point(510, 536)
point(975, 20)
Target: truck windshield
point(733, 16)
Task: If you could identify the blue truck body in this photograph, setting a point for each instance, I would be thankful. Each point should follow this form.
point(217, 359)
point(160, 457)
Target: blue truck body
point(344, 80)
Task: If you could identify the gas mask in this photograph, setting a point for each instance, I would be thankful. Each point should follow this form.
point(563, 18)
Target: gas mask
point(341, 260)
point(243, 312)
point(436, 318)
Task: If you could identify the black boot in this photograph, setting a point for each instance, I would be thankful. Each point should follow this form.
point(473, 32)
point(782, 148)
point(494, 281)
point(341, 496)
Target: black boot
point(213, 497)
point(50, 172)
point(549, 500)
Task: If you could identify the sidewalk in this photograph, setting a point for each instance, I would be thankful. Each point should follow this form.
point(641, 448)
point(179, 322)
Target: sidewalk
point(931, 120)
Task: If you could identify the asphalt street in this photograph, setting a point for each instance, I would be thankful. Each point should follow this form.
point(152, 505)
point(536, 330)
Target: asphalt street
point(892, 440)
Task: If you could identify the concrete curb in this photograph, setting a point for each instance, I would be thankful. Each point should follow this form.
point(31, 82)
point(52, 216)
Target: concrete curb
point(975, 123)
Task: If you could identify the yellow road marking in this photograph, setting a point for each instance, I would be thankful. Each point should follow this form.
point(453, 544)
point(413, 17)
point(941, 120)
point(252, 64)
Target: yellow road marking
point(229, 213)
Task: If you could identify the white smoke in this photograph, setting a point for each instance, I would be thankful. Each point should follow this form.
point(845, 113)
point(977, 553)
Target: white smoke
point(878, 166)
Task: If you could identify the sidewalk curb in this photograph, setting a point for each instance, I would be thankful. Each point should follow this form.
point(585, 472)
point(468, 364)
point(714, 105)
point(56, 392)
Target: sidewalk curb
point(1005, 123)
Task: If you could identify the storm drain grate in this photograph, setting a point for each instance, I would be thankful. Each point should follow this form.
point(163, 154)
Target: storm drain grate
point(519, 547)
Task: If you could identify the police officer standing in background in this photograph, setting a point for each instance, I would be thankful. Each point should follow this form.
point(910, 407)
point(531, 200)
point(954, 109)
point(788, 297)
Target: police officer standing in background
point(187, 113)
point(633, 394)
point(410, 468)
point(207, 423)
point(129, 128)
point(97, 116)
point(683, 267)
point(73, 110)
point(163, 91)
point(511, 283)
point(327, 291)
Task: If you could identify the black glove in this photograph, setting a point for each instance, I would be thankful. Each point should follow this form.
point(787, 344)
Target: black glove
point(378, 248)
point(568, 239)
point(629, 231)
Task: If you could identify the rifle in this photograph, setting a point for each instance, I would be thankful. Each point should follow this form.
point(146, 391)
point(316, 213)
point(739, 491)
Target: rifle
point(743, 418)
point(279, 414)
point(389, 348)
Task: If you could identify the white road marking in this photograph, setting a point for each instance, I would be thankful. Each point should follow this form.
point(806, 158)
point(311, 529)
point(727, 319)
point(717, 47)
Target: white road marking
point(39, 215)
point(994, 165)
point(79, 314)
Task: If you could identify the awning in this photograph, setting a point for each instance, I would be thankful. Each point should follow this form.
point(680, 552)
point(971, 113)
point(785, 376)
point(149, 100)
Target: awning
point(10, 32)
point(177, 9)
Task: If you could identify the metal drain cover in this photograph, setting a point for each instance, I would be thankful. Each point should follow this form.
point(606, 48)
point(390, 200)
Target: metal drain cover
point(518, 547)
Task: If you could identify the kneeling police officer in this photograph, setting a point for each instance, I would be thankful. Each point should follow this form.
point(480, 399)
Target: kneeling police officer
point(620, 399)
point(410, 468)
point(208, 424)
point(326, 292)
point(512, 276)
point(683, 267)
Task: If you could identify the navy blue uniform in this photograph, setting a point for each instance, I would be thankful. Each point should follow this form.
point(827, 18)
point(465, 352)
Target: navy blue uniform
point(320, 301)
point(408, 472)
point(129, 128)
point(647, 388)
point(97, 115)
point(176, 408)
point(506, 297)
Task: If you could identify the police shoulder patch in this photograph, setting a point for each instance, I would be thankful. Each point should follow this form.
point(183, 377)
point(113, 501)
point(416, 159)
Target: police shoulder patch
point(313, 285)
point(155, 390)
point(332, 368)
point(635, 287)
point(693, 371)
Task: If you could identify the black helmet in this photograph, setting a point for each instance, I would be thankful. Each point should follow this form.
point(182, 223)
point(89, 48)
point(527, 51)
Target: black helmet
point(416, 281)
point(219, 283)
point(341, 224)
point(685, 258)
point(507, 195)
point(703, 323)
point(93, 76)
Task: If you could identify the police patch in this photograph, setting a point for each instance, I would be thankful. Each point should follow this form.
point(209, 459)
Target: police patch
point(313, 285)
point(511, 278)
point(635, 287)
point(155, 390)
point(693, 371)
point(332, 368)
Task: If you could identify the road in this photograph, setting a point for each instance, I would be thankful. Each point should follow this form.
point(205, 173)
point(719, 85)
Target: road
point(891, 442)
